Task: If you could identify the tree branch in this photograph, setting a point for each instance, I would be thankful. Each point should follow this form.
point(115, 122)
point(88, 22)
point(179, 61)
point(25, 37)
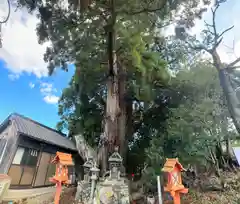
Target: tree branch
point(217, 39)
point(231, 65)
point(216, 45)
point(147, 10)
point(234, 67)
point(214, 22)
point(228, 29)
point(200, 47)
point(101, 13)
point(207, 24)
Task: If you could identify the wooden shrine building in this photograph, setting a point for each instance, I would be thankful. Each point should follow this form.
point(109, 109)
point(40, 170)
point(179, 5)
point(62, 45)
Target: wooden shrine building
point(27, 149)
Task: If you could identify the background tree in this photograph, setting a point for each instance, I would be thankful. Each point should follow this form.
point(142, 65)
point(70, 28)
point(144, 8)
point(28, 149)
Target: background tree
point(228, 73)
point(197, 126)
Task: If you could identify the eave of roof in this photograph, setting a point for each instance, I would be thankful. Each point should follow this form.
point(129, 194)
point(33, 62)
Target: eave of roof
point(38, 131)
point(170, 164)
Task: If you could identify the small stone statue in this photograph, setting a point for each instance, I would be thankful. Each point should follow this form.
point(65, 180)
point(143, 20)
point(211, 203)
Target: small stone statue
point(87, 166)
point(79, 191)
point(114, 189)
point(114, 173)
point(115, 164)
point(150, 200)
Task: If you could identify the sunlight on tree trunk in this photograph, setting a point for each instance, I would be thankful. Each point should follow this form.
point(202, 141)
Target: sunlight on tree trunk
point(115, 119)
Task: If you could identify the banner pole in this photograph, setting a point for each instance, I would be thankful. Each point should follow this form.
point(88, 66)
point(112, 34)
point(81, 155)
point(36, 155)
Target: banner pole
point(159, 190)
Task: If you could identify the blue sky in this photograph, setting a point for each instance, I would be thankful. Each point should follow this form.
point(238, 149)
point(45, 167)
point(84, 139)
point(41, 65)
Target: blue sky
point(33, 97)
point(24, 85)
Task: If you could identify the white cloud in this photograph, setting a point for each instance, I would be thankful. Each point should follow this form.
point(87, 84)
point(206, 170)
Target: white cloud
point(48, 91)
point(32, 85)
point(21, 50)
point(51, 99)
point(22, 53)
point(47, 88)
point(13, 77)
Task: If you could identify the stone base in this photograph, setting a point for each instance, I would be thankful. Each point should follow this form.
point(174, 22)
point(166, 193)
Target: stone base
point(83, 192)
point(113, 191)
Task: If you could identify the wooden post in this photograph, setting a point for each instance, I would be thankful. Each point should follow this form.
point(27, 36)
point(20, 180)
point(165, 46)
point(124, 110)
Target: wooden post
point(176, 198)
point(58, 192)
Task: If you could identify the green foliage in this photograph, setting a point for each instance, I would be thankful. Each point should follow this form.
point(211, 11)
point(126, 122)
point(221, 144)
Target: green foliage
point(82, 112)
point(77, 36)
point(80, 36)
point(196, 124)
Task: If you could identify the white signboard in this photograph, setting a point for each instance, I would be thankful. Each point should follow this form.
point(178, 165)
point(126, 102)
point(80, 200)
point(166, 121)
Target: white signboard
point(236, 151)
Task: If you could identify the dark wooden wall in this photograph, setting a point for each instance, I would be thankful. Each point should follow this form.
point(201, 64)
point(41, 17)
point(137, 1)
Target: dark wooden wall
point(10, 136)
point(40, 173)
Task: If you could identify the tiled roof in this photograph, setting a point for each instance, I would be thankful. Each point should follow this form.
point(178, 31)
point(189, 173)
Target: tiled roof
point(170, 165)
point(63, 158)
point(41, 132)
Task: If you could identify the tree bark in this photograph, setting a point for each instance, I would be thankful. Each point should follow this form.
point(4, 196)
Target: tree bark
point(115, 115)
point(84, 150)
point(111, 119)
point(122, 114)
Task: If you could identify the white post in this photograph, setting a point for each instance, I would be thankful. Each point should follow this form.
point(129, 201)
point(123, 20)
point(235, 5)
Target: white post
point(92, 190)
point(159, 190)
point(94, 178)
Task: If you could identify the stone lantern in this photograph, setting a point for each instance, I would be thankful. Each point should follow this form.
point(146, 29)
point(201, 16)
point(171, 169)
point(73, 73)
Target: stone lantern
point(95, 173)
point(117, 190)
point(86, 167)
point(115, 164)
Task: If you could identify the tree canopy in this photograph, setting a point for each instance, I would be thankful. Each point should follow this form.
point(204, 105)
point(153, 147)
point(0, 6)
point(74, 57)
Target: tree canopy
point(164, 115)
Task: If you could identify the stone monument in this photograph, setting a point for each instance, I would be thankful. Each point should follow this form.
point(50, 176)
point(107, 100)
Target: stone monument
point(94, 176)
point(84, 186)
point(113, 189)
point(87, 167)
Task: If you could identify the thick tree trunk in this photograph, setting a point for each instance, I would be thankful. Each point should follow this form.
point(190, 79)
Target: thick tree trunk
point(228, 145)
point(84, 150)
point(115, 115)
point(232, 99)
point(123, 114)
point(113, 110)
point(129, 126)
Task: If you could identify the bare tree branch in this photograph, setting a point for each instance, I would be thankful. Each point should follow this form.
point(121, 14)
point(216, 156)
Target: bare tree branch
point(231, 65)
point(217, 39)
point(228, 47)
point(234, 67)
point(200, 47)
point(214, 22)
point(207, 24)
point(228, 29)
point(216, 44)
